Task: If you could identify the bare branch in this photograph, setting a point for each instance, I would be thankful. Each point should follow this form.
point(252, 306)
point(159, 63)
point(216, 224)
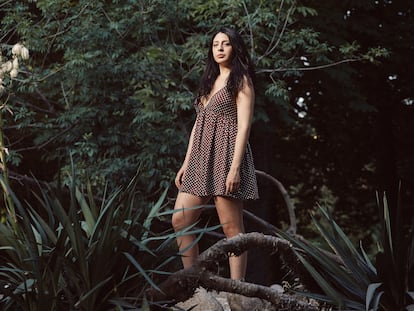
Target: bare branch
point(46, 142)
point(349, 60)
point(45, 100)
point(24, 180)
point(269, 51)
point(291, 210)
point(5, 3)
point(9, 33)
point(275, 32)
point(110, 20)
point(250, 29)
point(38, 126)
point(64, 94)
point(181, 285)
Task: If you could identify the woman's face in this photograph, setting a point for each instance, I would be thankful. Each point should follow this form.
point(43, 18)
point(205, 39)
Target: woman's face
point(222, 49)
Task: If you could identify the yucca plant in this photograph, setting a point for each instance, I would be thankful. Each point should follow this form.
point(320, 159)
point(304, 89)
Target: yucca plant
point(80, 256)
point(9, 70)
point(350, 280)
point(394, 263)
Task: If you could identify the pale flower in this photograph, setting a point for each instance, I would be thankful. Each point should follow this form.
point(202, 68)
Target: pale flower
point(8, 66)
point(24, 53)
point(3, 70)
point(13, 73)
point(17, 48)
point(15, 63)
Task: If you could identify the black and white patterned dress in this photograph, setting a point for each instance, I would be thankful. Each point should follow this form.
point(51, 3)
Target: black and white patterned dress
point(213, 148)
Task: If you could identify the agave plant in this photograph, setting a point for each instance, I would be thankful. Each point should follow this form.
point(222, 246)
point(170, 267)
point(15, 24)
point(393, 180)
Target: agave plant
point(394, 264)
point(83, 255)
point(350, 280)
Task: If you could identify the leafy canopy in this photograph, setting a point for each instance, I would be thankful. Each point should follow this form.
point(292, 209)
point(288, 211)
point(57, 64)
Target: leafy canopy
point(111, 82)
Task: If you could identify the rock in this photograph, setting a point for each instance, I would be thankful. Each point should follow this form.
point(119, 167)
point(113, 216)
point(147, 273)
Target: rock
point(201, 301)
point(243, 303)
point(278, 288)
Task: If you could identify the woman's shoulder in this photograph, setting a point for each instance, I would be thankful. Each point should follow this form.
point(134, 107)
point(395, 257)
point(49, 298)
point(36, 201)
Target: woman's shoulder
point(247, 87)
point(247, 81)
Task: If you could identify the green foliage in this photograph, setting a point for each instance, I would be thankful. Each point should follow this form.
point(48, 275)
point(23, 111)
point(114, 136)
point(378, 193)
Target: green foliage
point(350, 137)
point(394, 261)
point(357, 283)
point(8, 73)
point(86, 256)
point(111, 83)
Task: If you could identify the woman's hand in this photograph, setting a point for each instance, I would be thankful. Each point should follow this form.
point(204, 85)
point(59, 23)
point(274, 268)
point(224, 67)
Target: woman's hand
point(233, 181)
point(179, 177)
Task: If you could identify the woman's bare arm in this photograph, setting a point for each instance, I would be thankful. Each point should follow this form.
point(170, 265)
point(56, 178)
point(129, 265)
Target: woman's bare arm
point(181, 172)
point(245, 108)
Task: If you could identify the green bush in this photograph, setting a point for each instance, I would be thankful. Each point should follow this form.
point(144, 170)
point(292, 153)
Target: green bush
point(350, 280)
point(82, 255)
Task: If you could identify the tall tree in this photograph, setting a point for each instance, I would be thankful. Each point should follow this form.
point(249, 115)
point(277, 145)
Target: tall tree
point(360, 111)
point(110, 86)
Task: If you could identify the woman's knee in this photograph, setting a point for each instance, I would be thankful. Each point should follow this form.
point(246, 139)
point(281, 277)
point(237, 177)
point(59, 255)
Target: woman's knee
point(186, 211)
point(230, 213)
point(178, 220)
point(232, 229)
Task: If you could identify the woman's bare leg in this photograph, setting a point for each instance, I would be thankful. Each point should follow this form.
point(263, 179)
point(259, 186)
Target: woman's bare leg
point(230, 212)
point(183, 217)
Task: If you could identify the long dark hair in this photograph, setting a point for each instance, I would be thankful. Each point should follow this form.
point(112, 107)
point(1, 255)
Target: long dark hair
point(241, 66)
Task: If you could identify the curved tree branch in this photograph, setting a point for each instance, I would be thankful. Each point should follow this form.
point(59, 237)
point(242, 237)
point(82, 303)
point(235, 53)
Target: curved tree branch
point(44, 144)
point(181, 285)
point(291, 210)
point(272, 230)
point(275, 31)
point(348, 60)
point(250, 29)
point(272, 48)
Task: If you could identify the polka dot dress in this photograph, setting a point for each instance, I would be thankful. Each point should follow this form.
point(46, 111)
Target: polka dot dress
point(213, 148)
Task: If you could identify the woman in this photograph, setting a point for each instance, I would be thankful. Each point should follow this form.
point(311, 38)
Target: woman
point(219, 163)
